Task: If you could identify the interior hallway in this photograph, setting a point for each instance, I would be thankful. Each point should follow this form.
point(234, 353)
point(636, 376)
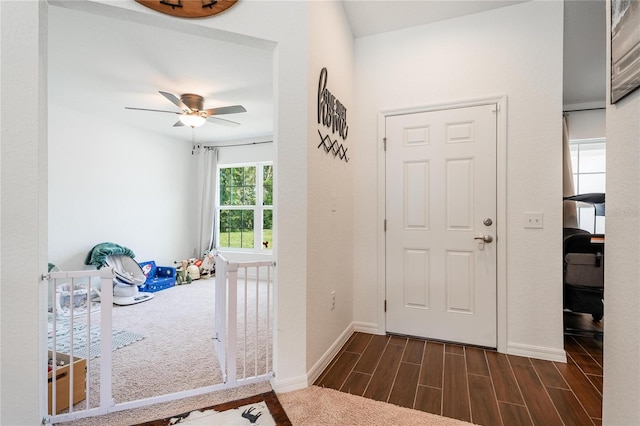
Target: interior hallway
point(473, 384)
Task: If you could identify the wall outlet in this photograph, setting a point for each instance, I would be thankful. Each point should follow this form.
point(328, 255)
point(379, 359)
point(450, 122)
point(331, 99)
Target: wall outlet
point(533, 220)
point(333, 300)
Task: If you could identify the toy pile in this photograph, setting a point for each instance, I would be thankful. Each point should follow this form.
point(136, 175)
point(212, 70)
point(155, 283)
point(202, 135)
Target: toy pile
point(194, 268)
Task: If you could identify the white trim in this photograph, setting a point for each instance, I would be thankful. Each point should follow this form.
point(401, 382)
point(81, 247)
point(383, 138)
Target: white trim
point(327, 357)
point(289, 385)
point(587, 141)
point(539, 352)
point(501, 193)
point(367, 327)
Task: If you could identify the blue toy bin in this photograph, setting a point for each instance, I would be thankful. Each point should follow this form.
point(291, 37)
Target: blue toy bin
point(158, 277)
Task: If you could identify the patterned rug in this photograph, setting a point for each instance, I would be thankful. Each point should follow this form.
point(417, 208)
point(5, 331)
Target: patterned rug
point(258, 410)
point(120, 339)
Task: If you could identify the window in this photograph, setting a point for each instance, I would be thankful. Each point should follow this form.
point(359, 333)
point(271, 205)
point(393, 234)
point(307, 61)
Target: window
point(588, 160)
point(245, 206)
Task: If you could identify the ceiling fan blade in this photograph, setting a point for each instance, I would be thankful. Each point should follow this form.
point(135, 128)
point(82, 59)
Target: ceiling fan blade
point(222, 122)
point(178, 124)
point(225, 110)
point(175, 100)
point(154, 110)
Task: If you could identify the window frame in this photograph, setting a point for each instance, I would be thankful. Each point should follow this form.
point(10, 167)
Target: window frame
point(258, 208)
point(587, 223)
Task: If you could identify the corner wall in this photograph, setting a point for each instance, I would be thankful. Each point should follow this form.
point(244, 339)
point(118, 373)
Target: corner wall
point(330, 190)
point(622, 271)
point(23, 211)
point(23, 176)
point(514, 51)
point(109, 182)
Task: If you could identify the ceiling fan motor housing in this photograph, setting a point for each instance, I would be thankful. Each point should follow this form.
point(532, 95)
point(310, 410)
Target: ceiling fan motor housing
point(194, 102)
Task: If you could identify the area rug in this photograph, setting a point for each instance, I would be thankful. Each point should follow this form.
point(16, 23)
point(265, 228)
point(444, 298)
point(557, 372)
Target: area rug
point(320, 406)
point(258, 410)
point(120, 339)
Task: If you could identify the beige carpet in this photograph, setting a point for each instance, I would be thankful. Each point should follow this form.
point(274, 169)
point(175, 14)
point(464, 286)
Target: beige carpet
point(176, 353)
point(158, 411)
point(322, 406)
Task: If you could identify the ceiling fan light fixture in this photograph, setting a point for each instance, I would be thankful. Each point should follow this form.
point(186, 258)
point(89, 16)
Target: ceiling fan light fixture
point(193, 119)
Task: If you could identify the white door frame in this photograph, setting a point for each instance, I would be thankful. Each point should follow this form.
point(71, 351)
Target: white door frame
point(501, 197)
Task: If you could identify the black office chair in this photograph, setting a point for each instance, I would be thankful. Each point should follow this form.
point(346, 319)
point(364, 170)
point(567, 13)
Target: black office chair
point(583, 279)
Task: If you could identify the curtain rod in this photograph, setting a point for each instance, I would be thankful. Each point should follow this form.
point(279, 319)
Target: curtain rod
point(238, 144)
point(585, 109)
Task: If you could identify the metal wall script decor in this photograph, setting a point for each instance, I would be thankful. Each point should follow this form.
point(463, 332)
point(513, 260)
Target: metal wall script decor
point(332, 114)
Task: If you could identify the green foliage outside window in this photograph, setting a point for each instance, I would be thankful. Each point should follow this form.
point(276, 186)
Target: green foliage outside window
point(239, 208)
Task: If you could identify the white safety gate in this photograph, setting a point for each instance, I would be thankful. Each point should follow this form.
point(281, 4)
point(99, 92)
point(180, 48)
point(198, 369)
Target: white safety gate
point(243, 336)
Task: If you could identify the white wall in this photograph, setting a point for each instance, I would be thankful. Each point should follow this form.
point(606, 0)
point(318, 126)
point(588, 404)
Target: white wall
point(23, 212)
point(24, 180)
point(622, 271)
point(109, 182)
point(285, 28)
point(587, 124)
point(330, 223)
point(514, 51)
point(230, 154)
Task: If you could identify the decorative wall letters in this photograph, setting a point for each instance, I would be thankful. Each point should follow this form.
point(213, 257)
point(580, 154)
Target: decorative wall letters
point(332, 115)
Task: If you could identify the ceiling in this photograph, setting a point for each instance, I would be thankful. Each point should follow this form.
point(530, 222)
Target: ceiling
point(99, 65)
point(91, 72)
point(584, 34)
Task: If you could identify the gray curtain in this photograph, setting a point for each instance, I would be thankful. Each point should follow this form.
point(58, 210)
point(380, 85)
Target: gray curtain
point(570, 212)
point(207, 177)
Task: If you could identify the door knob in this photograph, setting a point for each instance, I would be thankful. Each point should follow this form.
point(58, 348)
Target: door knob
point(484, 238)
point(481, 239)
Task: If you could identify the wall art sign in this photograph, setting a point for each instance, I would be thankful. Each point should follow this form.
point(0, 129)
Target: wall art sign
point(332, 116)
point(625, 48)
point(188, 8)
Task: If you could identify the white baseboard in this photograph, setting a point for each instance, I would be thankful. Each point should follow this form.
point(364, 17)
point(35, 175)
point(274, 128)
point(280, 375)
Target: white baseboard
point(539, 352)
point(366, 327)
point(300, 382)
point(326, 358)
point(289, 385)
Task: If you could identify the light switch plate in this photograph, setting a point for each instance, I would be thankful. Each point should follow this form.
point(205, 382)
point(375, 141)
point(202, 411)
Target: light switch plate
point(533, 220)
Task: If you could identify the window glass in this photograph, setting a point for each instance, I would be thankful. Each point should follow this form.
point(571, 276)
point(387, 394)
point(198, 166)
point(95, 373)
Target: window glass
point(588, 158)
point(267, 185)
point(236, 228)
point(591, 183)
point(245, 200)
point(592, 158)
point(267, 229)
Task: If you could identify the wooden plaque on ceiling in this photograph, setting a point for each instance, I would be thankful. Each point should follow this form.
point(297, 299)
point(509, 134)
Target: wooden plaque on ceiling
point(189, 8)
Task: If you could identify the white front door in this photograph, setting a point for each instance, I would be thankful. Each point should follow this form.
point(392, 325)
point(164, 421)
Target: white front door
point(441, 224)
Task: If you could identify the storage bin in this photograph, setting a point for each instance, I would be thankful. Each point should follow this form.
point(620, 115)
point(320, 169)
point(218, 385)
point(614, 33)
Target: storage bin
point(585, 269)
point(63, 376)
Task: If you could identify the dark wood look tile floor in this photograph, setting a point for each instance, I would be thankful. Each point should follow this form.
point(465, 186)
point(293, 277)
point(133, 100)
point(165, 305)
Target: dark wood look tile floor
point(472, 384)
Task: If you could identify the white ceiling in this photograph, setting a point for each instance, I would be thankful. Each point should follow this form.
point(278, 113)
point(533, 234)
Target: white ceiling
point(375, 17)
point(103, 64)
point(584, 34)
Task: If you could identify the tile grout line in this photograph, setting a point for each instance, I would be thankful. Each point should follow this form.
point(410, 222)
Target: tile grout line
point(574, 393)
point(519, 389)
point(397, 369)
point(415, 396)
point(495, 395)
point(377, 364)
point(355, 363)
point(444, 358)
point(548, 394)
point(466, 379)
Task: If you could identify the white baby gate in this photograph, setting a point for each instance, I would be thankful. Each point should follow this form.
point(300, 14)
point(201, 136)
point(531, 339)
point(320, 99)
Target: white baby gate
point(243, 336)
